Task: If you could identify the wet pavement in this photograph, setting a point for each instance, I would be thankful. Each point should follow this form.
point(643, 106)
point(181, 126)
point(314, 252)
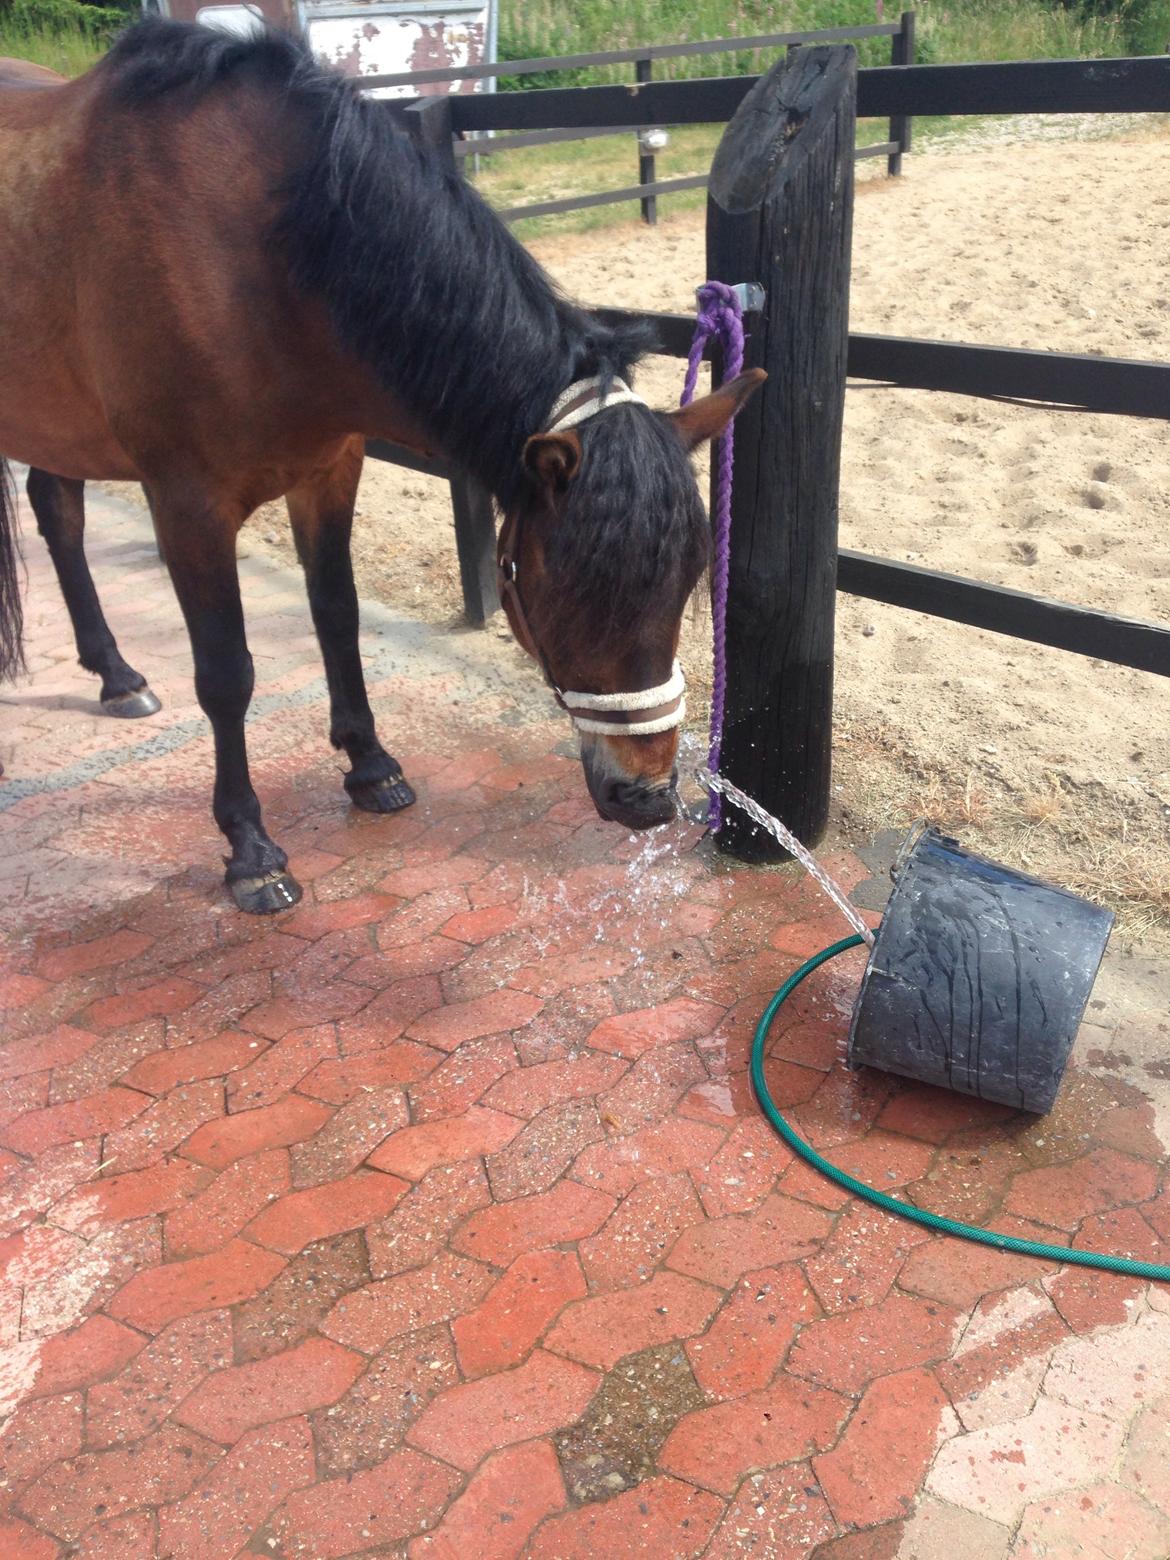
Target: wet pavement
point(435, 1217)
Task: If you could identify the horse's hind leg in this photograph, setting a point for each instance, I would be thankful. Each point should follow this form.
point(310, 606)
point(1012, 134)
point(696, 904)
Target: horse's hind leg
point(200, 547)
point(322, 518)
point(59, 505)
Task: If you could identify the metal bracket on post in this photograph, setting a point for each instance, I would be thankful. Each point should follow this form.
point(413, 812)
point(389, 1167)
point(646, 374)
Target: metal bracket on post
point(751, 295)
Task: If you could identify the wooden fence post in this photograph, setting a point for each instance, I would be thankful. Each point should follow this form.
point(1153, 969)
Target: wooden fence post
point(647, 165)
point(429, 121)
point(901, 53)
point(780, 212)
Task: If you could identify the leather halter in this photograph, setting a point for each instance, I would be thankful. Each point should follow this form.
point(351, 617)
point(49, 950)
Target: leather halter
point(641, 713)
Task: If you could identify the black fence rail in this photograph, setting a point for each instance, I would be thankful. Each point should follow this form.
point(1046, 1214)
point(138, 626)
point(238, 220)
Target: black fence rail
point(643, 58)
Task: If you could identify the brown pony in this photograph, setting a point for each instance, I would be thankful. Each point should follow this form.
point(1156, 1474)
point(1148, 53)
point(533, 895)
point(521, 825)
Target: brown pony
point(222, 270)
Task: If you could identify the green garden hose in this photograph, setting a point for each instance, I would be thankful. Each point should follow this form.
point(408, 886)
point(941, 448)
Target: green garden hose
point(932, 1221)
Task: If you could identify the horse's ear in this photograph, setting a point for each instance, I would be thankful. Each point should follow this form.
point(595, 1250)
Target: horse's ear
point(553, 458)
point(707, 417)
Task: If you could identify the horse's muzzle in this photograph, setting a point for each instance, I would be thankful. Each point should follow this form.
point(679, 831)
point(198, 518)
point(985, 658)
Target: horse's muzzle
point(632, 803)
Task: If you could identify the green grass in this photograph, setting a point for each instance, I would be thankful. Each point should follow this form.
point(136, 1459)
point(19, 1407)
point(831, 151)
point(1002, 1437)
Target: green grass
point(70, 50)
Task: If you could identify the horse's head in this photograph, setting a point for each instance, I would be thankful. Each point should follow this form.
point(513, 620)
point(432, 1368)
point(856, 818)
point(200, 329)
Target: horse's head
point(598, 556)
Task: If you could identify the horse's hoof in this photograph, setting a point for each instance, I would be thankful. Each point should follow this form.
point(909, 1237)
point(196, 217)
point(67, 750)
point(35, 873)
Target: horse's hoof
point(132, 706)
point(265, 895)
point(383, 796)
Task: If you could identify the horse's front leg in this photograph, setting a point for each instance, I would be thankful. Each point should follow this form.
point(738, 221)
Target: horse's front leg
point(322, 517)
point(199, 544)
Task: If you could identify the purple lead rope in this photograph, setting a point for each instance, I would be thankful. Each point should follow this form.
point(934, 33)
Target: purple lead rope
point(719, 315)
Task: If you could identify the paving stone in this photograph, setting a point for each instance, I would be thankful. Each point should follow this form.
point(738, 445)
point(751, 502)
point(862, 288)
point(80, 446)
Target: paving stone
point(661, 1517)
point(786, 1421)
point(38, 1130)
point(96, 1349)
point(424, 1218)
point(56, 1303)
point(1049, 1451)
point(1145, 1466)
point(220, 1210)
point(370, 1317)
point(599, 1330)
point(352, 1133)
point(412, 1151)
point(72, 1494)
point(1103, 1519)
point(1118, 1380)
point(274, 1126)
point(615, 1443)
point(744, 1170)
point(159, 1295)
point(746, 1343)
point(81, 958)
point(237, 1398)
point(353, 1513)
point(515, 1313)
point(168, 1069)
point(847, 1351)
point(720, 1251)
point(123, 1538)
point(651, 1087)
point(19, 1541)
point(956, 1273)
point(300, 1218)
point(1002, 1357)
point(937, 1529)
point(280, 1067)
point(468, 1421)
point(510, 1495)
point(780, 1514)
point(664, 1148)
point(631, 1034)
point(37, 1435)
point(634, 1240)
point(365, 1425)
point(500, 1011)
point(1063, 1195)
point(859, 1261)
point(38, 1053)
point(540, 1153)
point(313, 921)
point(216, 1520)
point(163, 1125)
point(874, 1472)
point(527, 1090)
point(35, 1254)
point(463, 1077)
point(131, 1007)
point(142, 1396)
point(300, 1297)
point(341, 1080)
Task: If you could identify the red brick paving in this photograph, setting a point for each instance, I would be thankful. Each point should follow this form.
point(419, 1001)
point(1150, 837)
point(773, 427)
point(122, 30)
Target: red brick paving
point(317, 1232)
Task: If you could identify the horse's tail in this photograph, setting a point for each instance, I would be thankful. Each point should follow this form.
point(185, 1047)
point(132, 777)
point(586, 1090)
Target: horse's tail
point(11, 612)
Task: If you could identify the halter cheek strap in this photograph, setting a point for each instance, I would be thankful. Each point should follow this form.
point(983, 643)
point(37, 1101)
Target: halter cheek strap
point(645, 712)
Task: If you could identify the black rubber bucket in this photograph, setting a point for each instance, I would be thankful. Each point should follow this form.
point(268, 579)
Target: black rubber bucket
point(978, 977)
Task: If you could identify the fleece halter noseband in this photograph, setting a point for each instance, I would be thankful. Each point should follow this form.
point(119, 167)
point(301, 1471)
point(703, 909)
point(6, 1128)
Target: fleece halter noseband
point(639, 714)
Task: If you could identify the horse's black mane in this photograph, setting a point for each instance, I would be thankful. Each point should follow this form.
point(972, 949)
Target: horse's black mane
point(404, 250)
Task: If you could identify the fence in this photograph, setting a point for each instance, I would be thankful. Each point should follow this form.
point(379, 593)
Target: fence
point(789, 230)
point(649, 187)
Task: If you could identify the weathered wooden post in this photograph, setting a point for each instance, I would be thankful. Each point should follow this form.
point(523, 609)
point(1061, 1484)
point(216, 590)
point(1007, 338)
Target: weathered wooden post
point(429, 121)
point(902, 51)
point(780, 212)
point(647, 163)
